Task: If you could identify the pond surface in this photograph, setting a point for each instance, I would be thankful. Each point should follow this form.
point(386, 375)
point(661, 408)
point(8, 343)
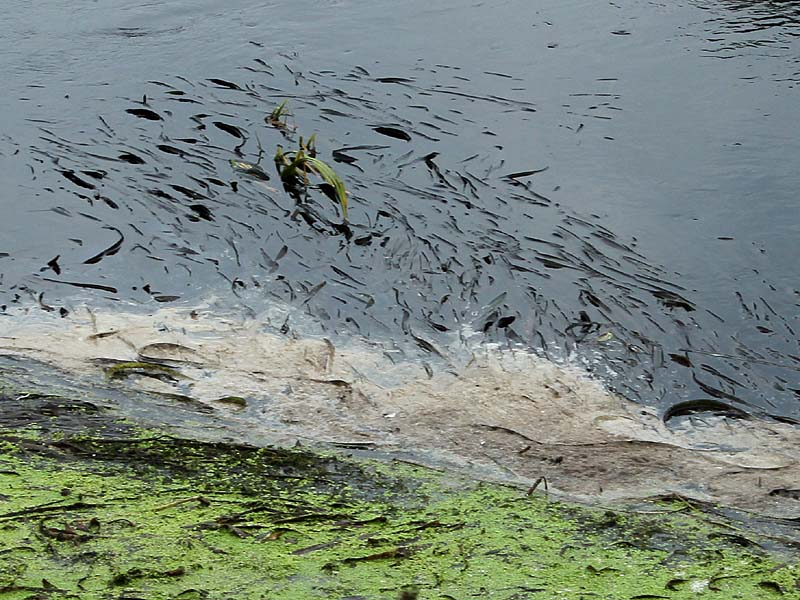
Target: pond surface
point(611, 184)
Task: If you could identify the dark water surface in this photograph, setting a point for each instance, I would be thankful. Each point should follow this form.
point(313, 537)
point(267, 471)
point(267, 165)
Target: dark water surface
point(656, 240)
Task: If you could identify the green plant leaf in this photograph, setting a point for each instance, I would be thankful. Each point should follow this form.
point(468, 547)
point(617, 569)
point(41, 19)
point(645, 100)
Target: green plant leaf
point(281, 159)
point(277, 117)
point(310, 147)
point(331, 178)
point(292, 163)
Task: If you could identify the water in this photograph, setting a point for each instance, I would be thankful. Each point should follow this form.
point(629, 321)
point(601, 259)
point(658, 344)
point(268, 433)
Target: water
point(657, 249)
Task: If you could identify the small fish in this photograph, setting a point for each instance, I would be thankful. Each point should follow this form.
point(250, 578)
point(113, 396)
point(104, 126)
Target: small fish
point(53, 264)
point(170, 150)
point(110, 251)
point(77, 180)
point(202, 212)
point(130, 158)
point(230, 129)
point(393, 132)
point(144, 113)
point(224, 84)
point(394, 80)
point(249, 169)
point(521, 174)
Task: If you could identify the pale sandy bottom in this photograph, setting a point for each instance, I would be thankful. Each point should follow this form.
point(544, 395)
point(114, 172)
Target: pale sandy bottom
point(499, 414)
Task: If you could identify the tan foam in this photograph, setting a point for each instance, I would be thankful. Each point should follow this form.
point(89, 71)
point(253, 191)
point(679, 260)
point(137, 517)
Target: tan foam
point(500, 413)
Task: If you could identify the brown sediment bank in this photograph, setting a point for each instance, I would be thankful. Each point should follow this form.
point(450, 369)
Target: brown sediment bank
point(139, 513)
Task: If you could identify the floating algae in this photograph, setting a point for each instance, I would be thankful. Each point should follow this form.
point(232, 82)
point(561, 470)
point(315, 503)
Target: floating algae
point(140, 513)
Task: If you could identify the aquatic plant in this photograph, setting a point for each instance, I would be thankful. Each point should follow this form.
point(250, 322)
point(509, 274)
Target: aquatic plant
point(295, 166)
point(277, 118)
point(309, 147)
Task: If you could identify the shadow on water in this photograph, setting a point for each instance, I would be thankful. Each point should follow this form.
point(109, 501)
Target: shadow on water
point(453, 235)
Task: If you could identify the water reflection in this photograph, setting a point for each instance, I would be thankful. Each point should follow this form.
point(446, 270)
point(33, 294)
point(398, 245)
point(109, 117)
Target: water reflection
point(740, 26)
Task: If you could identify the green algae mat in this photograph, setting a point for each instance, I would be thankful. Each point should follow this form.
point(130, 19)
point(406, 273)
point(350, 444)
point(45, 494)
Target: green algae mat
point(94, 507)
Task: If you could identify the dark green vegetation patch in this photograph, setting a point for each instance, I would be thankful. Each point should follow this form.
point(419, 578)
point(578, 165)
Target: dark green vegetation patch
point(120, 513)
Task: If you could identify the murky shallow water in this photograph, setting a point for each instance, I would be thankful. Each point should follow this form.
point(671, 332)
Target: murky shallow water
point(657, 249)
